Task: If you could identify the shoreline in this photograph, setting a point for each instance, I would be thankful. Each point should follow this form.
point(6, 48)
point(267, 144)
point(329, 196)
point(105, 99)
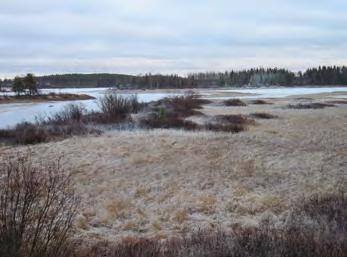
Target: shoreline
point(44, 98)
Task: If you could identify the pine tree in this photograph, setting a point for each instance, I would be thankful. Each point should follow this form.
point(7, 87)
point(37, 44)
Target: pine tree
point(30, 84)
point(18, 85)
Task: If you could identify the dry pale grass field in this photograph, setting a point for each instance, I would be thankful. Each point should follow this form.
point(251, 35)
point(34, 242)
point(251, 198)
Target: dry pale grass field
point(164, 182)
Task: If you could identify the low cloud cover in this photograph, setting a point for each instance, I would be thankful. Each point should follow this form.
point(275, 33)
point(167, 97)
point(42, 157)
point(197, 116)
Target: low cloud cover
point(169, 36)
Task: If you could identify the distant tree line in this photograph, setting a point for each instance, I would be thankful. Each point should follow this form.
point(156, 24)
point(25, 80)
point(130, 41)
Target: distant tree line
point(252, 77)
point(147, 81)
point(325, 75)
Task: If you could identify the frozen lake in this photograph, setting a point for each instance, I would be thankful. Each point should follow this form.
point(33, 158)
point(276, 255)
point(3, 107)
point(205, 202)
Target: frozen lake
point(11, 114)
point(281, 92)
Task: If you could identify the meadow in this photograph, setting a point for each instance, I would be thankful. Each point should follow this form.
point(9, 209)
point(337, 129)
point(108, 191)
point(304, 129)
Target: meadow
point(195, 173)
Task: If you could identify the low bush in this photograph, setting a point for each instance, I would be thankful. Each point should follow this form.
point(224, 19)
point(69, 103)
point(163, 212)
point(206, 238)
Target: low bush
point(71, 112)
point(263, 115)
point(260, 101)
point(185, 106)
point(235, 119)
point(29, 133)
point(156, 120)
point(234, 102)
point(116, 108)
point(37, 209)
point(171, 113)
point(310, 106)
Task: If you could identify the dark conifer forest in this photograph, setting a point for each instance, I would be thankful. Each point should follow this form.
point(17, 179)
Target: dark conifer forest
point(258, 77)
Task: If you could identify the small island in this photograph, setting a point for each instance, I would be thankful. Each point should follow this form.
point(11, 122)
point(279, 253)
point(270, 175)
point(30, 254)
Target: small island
point(26, 90)
point(6, 99)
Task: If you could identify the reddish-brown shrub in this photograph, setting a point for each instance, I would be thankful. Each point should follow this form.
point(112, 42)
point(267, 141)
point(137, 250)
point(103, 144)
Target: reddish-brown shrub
point(310, 106)
point(337, 102)
point(234, 102)
point(115, 108)
point(263, 115)
point(184, 106)
point(167, 121)
point(260, 101)
point(235, 119)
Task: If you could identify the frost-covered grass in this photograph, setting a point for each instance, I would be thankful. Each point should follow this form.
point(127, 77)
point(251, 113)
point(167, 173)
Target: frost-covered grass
point(165, 182)
point(315, 227)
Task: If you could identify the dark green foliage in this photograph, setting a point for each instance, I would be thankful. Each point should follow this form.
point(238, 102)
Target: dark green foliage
point(148, 81)
point(18, 86)
point(325, 75)
point(28, 84)
point(253, 77)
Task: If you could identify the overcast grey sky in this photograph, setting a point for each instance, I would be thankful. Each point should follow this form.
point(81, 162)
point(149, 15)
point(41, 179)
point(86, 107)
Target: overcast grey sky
point(139, 36)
